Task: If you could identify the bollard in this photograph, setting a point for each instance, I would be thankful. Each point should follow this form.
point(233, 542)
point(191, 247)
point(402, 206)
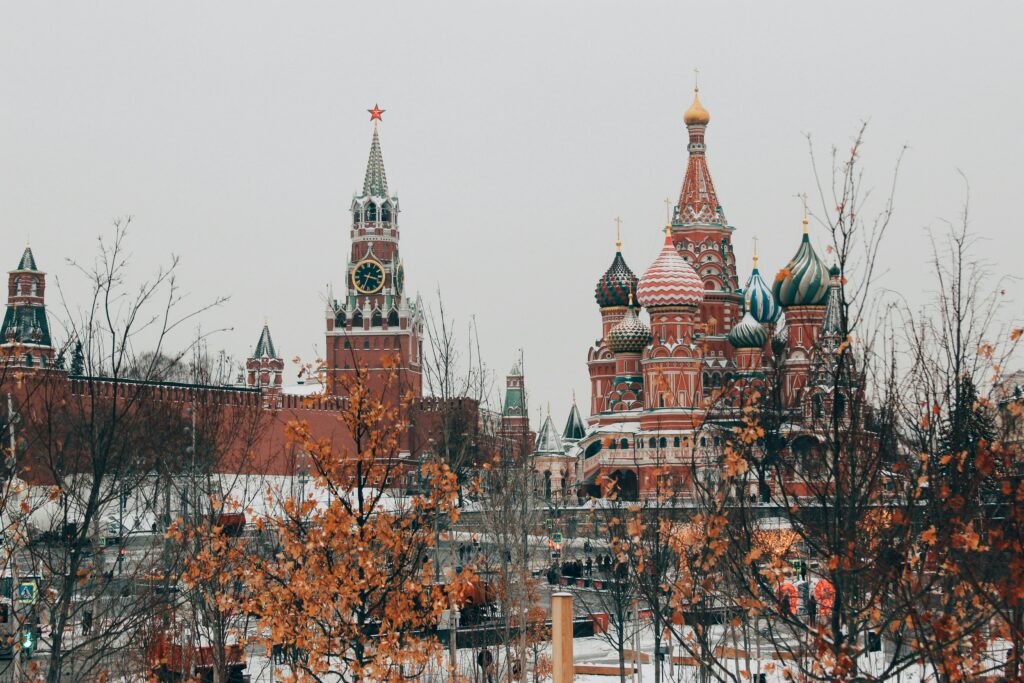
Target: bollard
point(561, 638)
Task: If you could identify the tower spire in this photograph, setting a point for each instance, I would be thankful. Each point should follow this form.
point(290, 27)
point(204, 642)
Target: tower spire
point(698, 202)
point(375, 183)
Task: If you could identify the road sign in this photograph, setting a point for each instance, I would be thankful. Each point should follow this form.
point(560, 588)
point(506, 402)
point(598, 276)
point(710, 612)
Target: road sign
point(27, 592)
point(557, 537)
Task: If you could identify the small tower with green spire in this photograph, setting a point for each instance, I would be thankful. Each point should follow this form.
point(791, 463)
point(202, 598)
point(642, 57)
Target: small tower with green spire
point(25, 333)
point(264, 369)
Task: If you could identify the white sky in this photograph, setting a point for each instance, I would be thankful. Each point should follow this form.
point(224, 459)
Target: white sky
point(236, 132)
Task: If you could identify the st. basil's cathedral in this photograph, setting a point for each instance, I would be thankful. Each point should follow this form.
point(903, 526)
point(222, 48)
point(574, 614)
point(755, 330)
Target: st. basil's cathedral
point(657, 387)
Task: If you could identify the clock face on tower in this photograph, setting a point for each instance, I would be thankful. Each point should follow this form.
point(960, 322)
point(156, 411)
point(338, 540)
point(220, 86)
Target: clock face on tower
point(368, 276)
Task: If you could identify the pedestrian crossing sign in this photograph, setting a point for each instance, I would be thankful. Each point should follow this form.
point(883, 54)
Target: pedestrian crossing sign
point(28, 592)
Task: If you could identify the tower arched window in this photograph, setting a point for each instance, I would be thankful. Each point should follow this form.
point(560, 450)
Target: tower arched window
point(614, 444)
point(393, 318)
point(385, 212)
point(366, 344)
point(339, 319)
point(841, 405)
point(357, 319)
point(371, 212)
point(376, 319)
point(817, 410)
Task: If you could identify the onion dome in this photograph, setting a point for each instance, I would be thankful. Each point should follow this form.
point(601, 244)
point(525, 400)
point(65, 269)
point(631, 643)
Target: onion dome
point(630, 335)
point(670, 280)
point(804, 281)
point(748, 334)
point(617, 284)
point(758, 300)
point(696, 115)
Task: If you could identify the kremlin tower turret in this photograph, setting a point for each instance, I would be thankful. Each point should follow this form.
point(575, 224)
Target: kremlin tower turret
point(25, 334)
point(374, 326)
point(264, 370)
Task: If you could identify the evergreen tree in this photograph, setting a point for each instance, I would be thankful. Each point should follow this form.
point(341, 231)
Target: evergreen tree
point(77, 360)
point(969, 423)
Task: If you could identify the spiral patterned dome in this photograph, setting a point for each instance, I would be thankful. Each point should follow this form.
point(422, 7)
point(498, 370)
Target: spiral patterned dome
point(758, 300)
point(616, 285)
point(630, 335)
point(670, 280)
point(804, 281)
point(748, 334)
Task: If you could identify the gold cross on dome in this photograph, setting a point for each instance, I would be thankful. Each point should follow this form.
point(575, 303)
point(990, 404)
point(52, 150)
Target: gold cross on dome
point(696, 79)
point(618, 232)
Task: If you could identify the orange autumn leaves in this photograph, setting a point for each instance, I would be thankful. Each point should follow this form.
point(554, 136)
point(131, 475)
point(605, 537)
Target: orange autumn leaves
point(344, 575)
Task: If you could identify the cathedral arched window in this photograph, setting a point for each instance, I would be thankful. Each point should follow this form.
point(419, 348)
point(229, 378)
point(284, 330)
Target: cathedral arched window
point(624, 444)
point(675, 442)
point(663, 442)
point(716, 380)
point(817, 409)
point(707, 379)
point(614, 444)
point(651, 443)
point(841, 405)
point(35, 286)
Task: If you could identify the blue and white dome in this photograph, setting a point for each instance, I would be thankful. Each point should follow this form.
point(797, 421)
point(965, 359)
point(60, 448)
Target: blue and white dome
point(758, 299)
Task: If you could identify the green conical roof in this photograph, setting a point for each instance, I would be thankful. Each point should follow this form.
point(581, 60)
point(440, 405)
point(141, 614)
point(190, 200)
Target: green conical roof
point(265, 346)
point(27, 262)
point(375, 184)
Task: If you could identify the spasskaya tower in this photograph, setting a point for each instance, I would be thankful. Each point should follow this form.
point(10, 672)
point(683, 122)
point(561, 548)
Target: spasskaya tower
point(374, 322)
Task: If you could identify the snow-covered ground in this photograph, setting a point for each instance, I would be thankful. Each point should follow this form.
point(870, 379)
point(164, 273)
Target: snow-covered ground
point(597, 651)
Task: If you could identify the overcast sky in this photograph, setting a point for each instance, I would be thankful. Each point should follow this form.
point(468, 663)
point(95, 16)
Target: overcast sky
point(236, 132)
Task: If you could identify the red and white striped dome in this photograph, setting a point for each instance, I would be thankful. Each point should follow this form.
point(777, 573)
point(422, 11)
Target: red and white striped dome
point(670, 280)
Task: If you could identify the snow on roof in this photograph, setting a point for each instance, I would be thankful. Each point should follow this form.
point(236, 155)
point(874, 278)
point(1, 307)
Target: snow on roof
point(311, 389)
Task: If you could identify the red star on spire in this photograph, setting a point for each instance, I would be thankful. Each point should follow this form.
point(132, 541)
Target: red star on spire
point(375, 113)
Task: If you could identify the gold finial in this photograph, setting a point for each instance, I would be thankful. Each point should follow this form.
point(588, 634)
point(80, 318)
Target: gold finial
point(631, 299)
point(265, 321)
point(618, 234)
point(549, 408)
point(755, 251)
point(668, 230)
point(696, 114)
point(574, 397)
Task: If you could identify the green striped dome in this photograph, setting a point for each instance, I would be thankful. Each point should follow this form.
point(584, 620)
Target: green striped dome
point(748, 334)
point(804, 281)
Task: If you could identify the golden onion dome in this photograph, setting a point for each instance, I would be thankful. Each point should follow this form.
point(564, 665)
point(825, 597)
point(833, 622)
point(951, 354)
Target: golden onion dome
point(696, 114)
